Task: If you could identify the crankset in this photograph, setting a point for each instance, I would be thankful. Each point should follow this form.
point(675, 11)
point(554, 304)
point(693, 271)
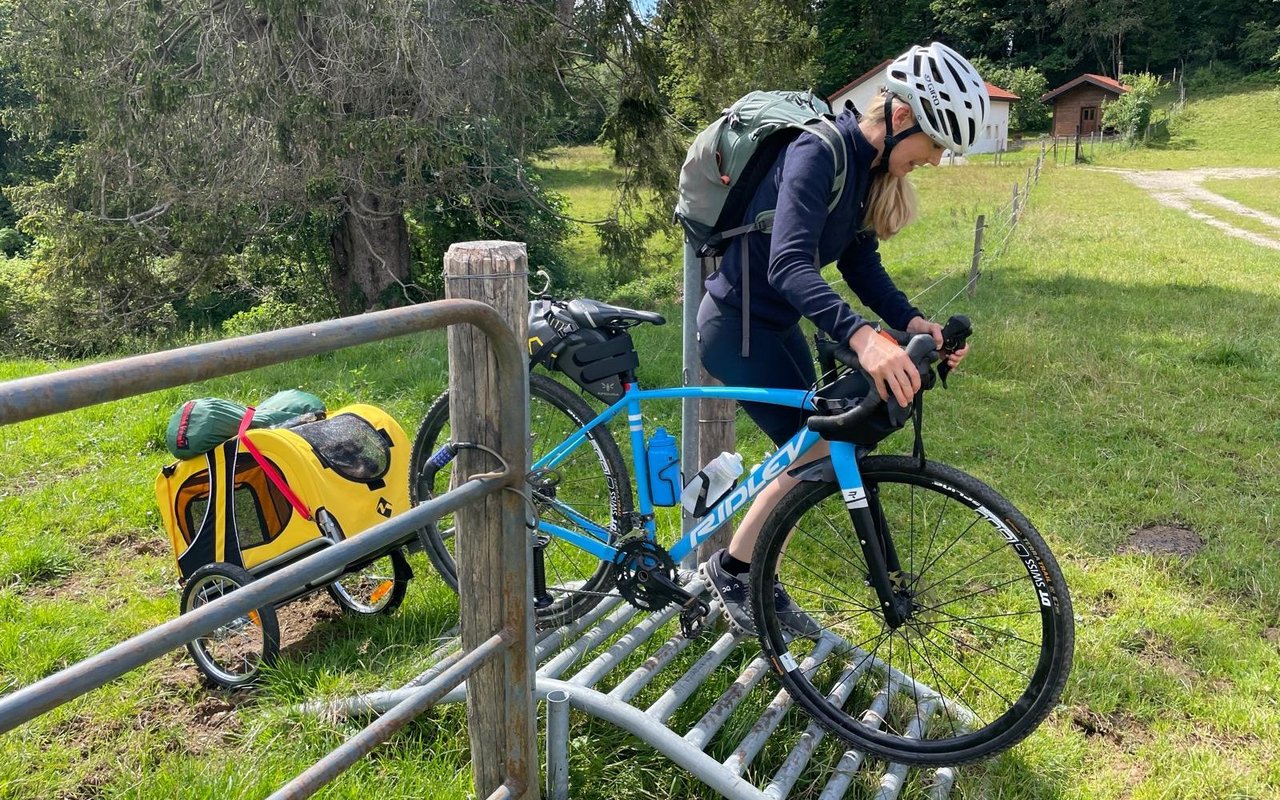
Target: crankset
point(646, 576)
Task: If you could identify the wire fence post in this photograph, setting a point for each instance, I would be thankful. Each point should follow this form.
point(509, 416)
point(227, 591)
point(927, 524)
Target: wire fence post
point(495, 574)
point(1013, 205)
point(714, 419)
point(977, 255)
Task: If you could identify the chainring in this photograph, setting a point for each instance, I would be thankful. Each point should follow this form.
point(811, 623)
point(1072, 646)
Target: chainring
point(634, 567)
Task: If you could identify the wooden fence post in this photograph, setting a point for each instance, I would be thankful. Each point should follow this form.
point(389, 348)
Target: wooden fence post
point(716, 434)
point(974, 267)
point(492, 533)
point(1013, 208)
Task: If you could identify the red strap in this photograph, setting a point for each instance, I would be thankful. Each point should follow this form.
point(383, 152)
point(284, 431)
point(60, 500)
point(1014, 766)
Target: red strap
point(270, 471)
point(184, 423)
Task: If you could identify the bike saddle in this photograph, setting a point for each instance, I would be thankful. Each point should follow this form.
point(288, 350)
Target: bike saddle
point(594, 314)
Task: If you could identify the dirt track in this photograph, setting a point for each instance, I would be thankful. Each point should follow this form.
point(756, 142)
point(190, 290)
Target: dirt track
point(1180, 189)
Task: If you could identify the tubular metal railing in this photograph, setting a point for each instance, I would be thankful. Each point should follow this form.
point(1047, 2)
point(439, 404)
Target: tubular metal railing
point(43, 395)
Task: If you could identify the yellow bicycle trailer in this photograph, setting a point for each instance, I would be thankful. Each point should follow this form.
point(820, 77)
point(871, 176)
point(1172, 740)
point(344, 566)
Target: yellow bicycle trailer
point(269, 496)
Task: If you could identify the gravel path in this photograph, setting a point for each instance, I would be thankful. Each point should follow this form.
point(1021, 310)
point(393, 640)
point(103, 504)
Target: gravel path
point(1181, 188)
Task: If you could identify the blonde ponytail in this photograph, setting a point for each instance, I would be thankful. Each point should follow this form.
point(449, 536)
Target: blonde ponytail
point(891, 202)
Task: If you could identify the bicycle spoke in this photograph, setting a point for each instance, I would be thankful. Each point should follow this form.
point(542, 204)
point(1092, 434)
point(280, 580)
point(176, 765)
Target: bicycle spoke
point(987, 590)
point(936, 525)
point(797, 589)
point(939, 677)
point(839, 535)
point(984, 654)
point(946, 578)
point(821, 578)
point(1006, 634)
point(946, 550)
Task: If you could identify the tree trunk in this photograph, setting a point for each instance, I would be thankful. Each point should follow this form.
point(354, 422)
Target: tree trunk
point(370, 254)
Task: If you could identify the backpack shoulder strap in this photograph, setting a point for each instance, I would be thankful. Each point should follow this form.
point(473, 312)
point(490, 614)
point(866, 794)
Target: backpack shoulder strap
point(826, 130)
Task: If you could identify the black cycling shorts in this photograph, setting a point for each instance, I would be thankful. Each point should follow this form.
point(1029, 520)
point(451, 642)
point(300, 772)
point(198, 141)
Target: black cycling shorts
point(780, 359)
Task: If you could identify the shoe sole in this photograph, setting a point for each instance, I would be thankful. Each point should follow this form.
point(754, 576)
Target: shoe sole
point(734, 626)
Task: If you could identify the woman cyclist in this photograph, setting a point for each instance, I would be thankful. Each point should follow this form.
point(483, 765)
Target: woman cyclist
point(934, 100)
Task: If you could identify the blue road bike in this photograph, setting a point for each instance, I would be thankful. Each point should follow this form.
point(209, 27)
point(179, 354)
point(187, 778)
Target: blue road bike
point(945, 620)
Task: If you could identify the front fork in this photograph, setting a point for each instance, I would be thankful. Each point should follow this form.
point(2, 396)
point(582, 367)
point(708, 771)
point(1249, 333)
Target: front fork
point(884, 571)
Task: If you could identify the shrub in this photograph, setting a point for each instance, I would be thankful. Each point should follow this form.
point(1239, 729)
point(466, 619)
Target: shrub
point(269, 316)
point(1130, 113)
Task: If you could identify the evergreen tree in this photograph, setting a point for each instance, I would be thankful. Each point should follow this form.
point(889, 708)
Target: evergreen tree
point(206, 124)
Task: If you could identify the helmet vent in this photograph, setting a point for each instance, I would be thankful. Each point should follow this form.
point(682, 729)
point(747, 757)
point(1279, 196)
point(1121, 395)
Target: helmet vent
point(953, 125)
point(928, 112)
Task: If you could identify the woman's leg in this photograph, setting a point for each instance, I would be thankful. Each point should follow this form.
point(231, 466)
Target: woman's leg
point(779, 360)
point(744, 538)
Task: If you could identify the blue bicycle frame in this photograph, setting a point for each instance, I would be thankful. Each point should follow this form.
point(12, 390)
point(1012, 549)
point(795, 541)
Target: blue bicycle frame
point(594, 538)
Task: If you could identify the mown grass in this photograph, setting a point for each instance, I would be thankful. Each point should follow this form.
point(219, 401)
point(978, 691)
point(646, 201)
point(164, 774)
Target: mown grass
point(1236, 220)
point(1260, 194)
point(1124, 373)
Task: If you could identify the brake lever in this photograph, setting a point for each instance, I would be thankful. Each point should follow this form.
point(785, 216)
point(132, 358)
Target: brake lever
point(954, 336)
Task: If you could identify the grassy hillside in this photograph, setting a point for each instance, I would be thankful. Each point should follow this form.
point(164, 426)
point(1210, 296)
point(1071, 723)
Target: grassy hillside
point(1124, 378)
point(1228, 130)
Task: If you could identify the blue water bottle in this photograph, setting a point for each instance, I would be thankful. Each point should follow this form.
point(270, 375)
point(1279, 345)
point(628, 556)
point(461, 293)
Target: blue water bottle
point(663, 457)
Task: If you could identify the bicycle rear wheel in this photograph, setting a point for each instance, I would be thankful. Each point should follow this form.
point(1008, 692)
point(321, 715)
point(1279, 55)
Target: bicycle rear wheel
point(593, 482)
point(985, 650)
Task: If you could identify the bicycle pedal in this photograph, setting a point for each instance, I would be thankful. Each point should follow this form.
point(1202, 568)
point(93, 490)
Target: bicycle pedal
point(693, 618)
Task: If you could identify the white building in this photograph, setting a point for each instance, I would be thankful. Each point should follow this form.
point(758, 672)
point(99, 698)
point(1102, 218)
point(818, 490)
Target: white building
point(858, 93)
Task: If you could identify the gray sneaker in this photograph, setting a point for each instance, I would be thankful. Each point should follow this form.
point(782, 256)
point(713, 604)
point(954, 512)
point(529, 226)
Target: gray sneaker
point(732, 593)
point(792, 617)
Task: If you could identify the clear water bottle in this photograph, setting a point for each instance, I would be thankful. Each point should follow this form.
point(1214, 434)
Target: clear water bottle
point(663, 457)
point(711, 484)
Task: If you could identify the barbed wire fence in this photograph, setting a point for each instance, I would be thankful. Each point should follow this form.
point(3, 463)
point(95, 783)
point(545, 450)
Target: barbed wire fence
point(991, 234)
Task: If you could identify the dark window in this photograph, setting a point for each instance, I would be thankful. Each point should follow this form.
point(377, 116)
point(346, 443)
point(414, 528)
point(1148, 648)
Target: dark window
point(350, 446)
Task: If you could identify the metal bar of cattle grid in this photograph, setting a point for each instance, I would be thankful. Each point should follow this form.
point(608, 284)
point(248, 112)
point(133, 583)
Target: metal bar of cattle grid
point(728, 702)
point(629, 686)
point(750, 745)
point(688, 683)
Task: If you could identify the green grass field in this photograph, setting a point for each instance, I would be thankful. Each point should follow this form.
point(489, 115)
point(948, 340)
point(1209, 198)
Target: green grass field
point(1124, 375)
point(1260, 194)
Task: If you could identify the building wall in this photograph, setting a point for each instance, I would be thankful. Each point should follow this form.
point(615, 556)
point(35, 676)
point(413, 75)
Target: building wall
point(861, 94)
point(1067, 107)
point(996, 136)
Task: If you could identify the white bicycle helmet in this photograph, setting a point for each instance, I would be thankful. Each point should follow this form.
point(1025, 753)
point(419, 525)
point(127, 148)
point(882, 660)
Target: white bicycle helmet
point(947, 95)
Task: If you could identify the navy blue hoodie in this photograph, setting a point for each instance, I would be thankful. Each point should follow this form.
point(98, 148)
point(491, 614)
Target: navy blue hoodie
point(785, 283)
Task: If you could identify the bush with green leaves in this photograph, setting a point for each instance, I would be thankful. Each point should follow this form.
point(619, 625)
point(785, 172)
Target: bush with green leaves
point(1130, 113)
point(1028, 114)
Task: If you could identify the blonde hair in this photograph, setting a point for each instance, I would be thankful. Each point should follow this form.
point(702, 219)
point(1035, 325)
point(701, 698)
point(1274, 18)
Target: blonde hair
point(891, 202)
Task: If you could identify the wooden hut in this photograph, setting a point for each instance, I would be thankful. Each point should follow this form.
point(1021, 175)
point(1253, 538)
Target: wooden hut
point(1077, 104)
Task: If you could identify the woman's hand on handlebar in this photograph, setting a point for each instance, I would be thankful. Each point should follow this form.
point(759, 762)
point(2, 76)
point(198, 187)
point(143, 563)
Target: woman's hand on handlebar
point(922, 325)
point(887, 363)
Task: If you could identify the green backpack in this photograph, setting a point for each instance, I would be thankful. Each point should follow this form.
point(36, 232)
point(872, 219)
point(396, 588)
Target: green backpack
point(729, 158)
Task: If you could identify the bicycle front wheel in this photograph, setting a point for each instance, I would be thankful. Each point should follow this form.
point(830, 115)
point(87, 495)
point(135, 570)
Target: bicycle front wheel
point(593, 483)
point(986, 645)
